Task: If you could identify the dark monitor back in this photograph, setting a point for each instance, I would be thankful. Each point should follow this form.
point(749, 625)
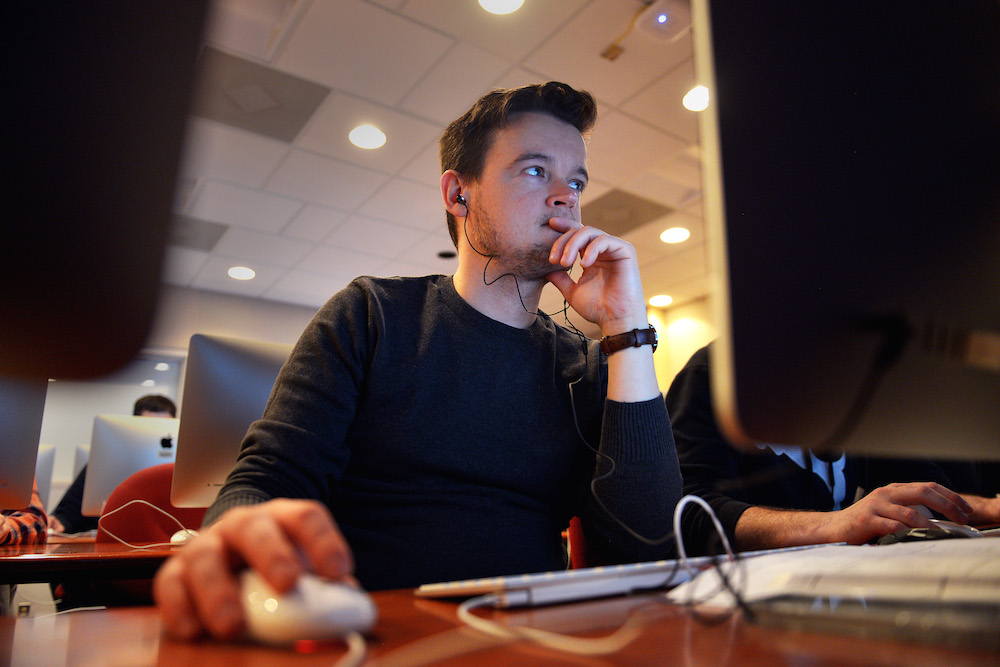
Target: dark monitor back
point(852, 182)
point(97, 95)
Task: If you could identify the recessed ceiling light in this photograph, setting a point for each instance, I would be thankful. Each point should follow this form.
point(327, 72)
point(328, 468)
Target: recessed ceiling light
point(675, 235)
point(696, 99)
point(241, 273)
point(501, 6)
point(162, 366)
point(661, 300)
point(148, 383)
point(367, 136)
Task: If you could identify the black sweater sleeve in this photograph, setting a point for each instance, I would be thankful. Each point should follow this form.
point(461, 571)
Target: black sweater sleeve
point(709, 465)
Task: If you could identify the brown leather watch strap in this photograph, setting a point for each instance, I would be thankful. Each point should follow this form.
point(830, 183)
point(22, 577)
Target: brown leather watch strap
point(633, 338)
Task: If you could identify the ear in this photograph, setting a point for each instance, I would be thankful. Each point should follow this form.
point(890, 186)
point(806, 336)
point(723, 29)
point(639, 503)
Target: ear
point(451, 188)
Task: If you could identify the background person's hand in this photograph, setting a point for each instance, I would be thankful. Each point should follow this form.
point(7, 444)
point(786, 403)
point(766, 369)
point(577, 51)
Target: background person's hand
point(891, 508)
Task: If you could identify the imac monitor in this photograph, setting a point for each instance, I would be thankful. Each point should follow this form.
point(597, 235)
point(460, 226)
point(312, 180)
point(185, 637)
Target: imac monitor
point(227, 382)
point(22, 402)
point(851, 168)
point(120, 446)
point(102, 92)
point(44, 465)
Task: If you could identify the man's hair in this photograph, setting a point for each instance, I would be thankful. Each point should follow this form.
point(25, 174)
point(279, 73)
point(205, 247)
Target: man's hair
point(465, 141)
point(154, 403)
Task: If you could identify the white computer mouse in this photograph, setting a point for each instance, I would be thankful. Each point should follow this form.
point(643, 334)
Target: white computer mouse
point(183, 536)
point(314, 609)
point(952, 527)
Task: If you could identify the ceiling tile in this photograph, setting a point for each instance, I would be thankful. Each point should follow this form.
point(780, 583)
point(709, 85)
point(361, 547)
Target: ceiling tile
point(510, 36)
point(682, 169)
point(667, 93)
point(425, 253)
point(654, 186)
point(253, 209)
point(253, 97)
point(314, 223)
point(333, 261)
point(213, 276)
point(334, 45)
point(255, 246)
point(374, 236)
point(325, 181)
point(573, 54)
point(181, 265)
point(224, 153)
point(455, 83)
point(328, 133)
point(647, 237)
point(306, 288)
point(679, 267)
point(407, 203)
point(621, 147)
point(425, 168)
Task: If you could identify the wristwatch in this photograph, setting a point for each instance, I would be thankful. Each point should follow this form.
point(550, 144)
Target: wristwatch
point(633, 338)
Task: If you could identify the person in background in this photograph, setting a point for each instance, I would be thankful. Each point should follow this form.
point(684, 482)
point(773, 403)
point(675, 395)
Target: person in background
point(441, 427)
point(780, 495)
point(66, 517)
point(24, 526)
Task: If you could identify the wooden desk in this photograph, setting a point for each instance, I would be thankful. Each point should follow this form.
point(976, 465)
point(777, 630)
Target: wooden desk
point(414, 631)
point(78, 559)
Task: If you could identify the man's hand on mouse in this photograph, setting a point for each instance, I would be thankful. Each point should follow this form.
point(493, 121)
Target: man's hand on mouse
point(197, 589)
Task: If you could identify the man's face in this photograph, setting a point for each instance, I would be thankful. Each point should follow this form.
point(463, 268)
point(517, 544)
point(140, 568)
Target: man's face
point(534, 171)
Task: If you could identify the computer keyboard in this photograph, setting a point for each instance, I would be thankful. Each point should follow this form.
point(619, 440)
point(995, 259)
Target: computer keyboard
point(586, 583)
point(564, 585)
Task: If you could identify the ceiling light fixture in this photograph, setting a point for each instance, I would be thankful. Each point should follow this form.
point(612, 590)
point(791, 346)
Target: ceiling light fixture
point(241, 273)
point(661, 301)
point(668, 20)
point(367, 136)
point(675, 235)
point(696, 99)
point(501, 6)
point(162, 366)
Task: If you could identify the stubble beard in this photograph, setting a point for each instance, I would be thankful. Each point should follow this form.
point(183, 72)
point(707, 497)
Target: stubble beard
point(529, 263)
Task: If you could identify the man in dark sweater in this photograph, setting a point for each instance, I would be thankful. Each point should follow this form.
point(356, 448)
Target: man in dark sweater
point(778, 495)
point(437, 428)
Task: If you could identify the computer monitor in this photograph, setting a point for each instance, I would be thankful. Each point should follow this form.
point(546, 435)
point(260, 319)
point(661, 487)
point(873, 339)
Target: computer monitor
point(120, 446)
point(227, 382)
point(851, 166)
point(22, 402)
point(103, 93)
point(44, 465)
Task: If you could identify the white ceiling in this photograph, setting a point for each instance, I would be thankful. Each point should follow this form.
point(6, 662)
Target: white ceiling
point(310, 214)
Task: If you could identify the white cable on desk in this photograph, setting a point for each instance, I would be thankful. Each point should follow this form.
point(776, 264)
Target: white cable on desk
point(158, 545)
point(617, 640)
point(356, 650)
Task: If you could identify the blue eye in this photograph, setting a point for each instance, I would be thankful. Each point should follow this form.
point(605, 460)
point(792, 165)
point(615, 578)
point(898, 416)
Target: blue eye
point(578, 185)
point(535, 171)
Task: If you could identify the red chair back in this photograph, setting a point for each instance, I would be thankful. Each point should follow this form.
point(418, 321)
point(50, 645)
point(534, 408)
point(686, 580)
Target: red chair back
point(138, 523)
point(577, 544)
